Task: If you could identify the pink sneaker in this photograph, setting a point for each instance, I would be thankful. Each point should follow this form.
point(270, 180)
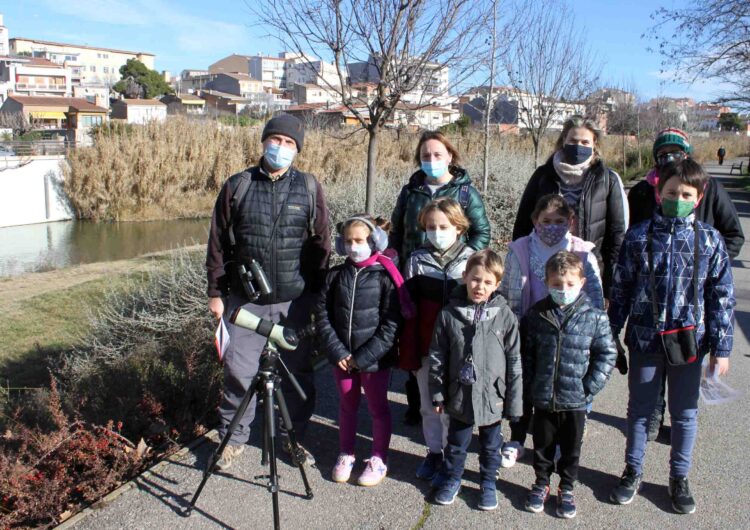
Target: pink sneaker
point(343, 468)
point(374, 473)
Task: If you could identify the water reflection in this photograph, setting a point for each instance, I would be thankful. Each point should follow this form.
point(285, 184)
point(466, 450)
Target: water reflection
point(54, 245)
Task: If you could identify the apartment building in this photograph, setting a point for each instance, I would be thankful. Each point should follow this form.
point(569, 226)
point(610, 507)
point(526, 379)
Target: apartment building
point(314, 72)
point(89, 65)
point(271, 71)
point(235, 83)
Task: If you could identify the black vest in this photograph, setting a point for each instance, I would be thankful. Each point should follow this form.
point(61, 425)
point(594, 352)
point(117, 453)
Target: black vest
point(285, 202)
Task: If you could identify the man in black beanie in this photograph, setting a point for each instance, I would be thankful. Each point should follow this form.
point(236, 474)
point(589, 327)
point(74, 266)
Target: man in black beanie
point(276, 215)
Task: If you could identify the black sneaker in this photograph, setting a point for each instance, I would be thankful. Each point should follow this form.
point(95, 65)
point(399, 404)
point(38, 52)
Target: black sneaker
point(682, 499)
point(536, 498)
point(566, 504)
point(630, 483)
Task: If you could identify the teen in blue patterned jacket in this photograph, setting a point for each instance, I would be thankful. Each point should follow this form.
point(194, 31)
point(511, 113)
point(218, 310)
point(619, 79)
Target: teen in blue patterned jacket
point(668, 299)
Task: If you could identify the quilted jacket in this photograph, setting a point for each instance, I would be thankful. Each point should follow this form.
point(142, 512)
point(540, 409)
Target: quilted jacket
point(673, 249)
point(430, 282)
point(406, 236)
point(358, 313)
point(566, 362)
point(489, 333)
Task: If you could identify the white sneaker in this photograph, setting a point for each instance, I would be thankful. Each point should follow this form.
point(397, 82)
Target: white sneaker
point(510, 453)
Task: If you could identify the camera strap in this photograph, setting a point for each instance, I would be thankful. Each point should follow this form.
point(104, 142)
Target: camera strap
point(652, 274)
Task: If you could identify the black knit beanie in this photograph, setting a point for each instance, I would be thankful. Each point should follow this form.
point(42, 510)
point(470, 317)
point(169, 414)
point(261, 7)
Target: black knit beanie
point(287, 125)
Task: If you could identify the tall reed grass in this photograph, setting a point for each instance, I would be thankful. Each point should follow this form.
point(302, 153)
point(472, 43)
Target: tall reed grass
point(175, 169)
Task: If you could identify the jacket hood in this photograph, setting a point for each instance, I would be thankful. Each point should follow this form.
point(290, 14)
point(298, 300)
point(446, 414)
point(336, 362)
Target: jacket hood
point(460, 177)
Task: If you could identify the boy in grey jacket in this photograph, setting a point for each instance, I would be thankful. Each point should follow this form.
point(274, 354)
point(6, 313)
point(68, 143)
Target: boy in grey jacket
point(568, 356)
point(475, 375)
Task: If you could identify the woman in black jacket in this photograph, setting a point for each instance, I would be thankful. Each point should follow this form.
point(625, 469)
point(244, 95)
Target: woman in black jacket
point(576, 171)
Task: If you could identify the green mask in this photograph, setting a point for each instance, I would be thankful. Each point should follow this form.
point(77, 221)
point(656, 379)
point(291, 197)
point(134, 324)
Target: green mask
point(676, 207)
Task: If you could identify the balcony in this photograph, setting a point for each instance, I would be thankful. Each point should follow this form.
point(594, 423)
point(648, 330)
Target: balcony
point(34, 86)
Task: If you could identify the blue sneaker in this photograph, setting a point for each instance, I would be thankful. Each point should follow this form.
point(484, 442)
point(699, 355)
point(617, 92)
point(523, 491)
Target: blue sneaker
point(536, 498)
point(566, 504)
point(487, 498)
point(447, 492)
point(430, 466)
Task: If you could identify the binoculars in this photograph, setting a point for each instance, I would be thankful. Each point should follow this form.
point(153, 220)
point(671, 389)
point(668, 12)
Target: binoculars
point(254, 280)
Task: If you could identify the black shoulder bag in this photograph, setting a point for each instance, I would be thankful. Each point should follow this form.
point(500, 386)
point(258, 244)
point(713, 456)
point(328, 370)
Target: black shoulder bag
point(680, 344)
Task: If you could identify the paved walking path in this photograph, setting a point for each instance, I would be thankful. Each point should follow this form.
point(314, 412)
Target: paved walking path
point(720, 478)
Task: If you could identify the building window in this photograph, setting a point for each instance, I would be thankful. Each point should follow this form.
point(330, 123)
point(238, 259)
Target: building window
point(92, 68)
point(106, 69)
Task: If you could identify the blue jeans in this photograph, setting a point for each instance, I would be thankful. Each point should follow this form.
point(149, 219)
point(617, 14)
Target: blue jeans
point(644, 386)
point(459, 437)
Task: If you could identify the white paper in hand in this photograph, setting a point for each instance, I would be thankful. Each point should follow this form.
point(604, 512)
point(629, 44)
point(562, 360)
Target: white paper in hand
point(713, 390)
point(222, 338)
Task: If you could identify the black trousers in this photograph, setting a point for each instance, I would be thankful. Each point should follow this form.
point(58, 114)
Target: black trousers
point(563, 428)
point(519, 429)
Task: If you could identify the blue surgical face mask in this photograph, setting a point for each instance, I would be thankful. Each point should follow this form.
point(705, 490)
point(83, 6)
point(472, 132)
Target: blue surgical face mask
point(279, 156)
point(564, 296)
point(577, 154)
point(435, 169)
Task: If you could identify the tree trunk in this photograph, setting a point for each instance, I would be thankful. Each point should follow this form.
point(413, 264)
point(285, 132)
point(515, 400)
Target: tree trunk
point(536, 152)
point(372, 156)
point(624, 155)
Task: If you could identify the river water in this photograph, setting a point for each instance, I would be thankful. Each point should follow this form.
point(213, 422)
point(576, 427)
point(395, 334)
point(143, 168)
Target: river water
point(48, 246)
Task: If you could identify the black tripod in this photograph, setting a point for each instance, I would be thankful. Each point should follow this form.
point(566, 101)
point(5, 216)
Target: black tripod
point(267, 385)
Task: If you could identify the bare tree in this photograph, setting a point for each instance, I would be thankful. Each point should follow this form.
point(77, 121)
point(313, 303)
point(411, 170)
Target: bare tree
point(549, 68)
point(16, 121)
point(403, 43)
point(710, 40)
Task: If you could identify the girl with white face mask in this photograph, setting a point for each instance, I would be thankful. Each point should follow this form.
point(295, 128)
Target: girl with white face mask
point(357, 318)
point(431, 273)
point(523, 284)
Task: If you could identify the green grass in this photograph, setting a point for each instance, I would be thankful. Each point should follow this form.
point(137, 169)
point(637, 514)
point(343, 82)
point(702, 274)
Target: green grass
point(35, 331)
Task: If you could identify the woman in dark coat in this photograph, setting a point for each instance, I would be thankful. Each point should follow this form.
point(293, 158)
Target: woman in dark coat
point(577, 172)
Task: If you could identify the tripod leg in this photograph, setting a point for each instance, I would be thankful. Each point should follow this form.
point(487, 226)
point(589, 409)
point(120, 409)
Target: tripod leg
point(249, 393)
point(297, 456)
point(270, 438)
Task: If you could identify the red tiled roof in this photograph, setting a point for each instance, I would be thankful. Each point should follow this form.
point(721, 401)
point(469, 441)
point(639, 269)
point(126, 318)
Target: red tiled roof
point(44, 63)
point(51, 43)
point(141, 102)
point(78, 104)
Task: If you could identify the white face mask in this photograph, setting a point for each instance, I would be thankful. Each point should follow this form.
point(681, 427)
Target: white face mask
point(442, 239)
point(358, 252)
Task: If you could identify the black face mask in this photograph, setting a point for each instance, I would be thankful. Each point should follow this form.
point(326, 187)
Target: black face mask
point(577, 154)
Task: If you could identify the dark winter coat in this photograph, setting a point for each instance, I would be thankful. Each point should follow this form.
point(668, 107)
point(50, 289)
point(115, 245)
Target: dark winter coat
point(430, 282)
point(494, 343)
point(601, 217)
point(293, 259)
point(566, 364)
point(358, 314)
point(715, 209)
point(673, 249)
point(406, 236)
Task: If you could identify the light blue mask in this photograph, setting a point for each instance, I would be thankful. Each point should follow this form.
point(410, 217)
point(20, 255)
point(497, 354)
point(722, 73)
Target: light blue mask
point(435, 169)
point(279, 156)
point(564, 296)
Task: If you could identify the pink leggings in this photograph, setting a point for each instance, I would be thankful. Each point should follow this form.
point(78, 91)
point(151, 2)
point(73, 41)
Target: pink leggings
point(376, 392)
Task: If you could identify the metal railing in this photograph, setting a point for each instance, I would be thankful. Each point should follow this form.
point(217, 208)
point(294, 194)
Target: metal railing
point(35, 147)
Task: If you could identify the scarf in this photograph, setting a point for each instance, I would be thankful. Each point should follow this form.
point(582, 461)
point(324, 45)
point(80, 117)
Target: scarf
point(407, 306)
point(570, 174)
point(652, 177)
point(444, 258)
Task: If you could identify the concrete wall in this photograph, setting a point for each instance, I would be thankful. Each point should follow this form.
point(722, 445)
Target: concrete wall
point(31, 190)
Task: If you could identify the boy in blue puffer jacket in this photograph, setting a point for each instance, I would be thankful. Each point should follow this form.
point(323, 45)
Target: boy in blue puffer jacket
point(569, 354)
point(673, 284)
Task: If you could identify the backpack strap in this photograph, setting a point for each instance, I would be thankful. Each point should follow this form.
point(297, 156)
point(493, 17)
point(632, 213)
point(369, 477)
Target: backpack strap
point(312, 193)
point(463, 196)
point(238, 196)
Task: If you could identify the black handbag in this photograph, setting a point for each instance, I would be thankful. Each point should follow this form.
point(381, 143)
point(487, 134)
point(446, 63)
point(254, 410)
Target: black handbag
point(680, 344)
